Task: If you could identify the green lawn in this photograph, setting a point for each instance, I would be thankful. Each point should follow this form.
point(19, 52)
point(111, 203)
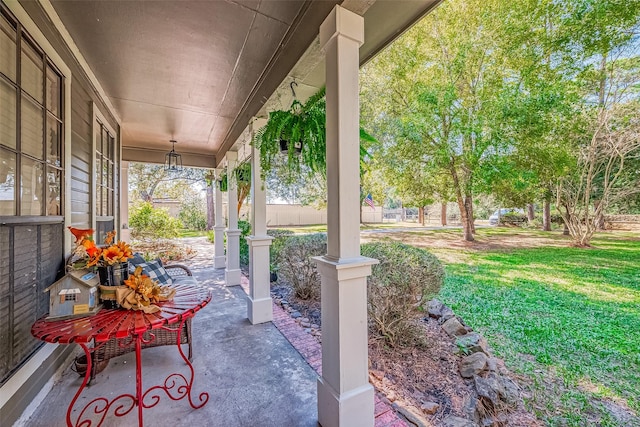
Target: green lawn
point(192, 233)
point(567, 319)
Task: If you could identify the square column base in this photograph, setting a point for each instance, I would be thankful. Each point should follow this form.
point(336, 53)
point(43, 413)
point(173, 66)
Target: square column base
point(220, 262)
point(259, 310)
point(352, 409)
point(232, 277)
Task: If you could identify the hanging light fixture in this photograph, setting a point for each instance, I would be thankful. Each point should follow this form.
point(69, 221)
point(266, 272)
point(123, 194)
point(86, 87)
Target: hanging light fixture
point(173, 160)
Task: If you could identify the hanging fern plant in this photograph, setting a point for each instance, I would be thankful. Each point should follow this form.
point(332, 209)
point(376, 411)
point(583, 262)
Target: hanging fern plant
point(304, 124)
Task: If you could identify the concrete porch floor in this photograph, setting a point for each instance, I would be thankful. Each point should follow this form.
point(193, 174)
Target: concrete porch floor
point(253, 375)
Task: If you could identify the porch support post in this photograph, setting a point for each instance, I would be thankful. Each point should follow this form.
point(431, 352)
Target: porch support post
point(345, 397)
point(125, 232)
point(232, 273)
point(259, 305)
point(219, 260)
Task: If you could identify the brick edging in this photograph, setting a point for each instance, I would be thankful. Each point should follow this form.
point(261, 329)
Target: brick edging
point(311, 351)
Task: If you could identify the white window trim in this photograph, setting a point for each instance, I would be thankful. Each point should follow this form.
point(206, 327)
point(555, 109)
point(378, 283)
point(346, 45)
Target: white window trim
point(97, 115)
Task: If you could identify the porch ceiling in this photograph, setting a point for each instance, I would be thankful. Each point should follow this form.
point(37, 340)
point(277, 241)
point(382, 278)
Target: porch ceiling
point(197, 71)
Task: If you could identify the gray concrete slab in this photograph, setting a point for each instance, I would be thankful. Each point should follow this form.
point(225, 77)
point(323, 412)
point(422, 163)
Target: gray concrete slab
point(254, 377)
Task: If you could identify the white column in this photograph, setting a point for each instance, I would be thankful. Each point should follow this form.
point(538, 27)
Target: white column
point(345, 397)
point(219, 260)
point(125, 232)
point(232, 273)
point(259, 306)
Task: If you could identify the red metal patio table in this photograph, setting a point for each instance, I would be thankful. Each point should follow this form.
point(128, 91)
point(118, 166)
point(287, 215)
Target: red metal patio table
point(128, 327)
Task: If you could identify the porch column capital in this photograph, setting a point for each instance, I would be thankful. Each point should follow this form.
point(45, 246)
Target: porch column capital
point(231, 156)
point(342, 22)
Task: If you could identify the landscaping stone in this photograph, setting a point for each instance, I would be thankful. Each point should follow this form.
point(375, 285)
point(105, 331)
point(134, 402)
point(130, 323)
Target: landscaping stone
point(296, 314)
point(472, 343)
point(411, 415)
point(492, 364)
point(511, 391)
point(453, 327)
point(470, 408)
point(490, 387)
point(434, 309)
point(429, 407)
point(304, 324)
point(473, 364)
point(452, 421)
point(447, 314)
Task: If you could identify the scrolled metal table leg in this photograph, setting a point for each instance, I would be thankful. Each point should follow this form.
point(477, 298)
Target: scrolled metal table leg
point(100, 406)
point(176, 386)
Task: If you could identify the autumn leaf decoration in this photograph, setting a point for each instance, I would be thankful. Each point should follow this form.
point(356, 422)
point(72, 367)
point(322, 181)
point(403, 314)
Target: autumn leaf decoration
point(142, 293)
point(87, 254)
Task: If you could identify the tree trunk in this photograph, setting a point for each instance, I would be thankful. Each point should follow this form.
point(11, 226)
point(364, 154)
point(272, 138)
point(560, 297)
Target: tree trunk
point(211, 213)
point(243, 192)
point(467, 228)
point(468, 204)
point(421, 215)
point(464, 218)
point(599, 219)
point(443, 213)
point(546, 215)
point(531, 213)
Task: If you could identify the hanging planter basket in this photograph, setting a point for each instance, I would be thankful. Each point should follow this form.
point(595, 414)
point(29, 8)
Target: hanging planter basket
point(285, 144)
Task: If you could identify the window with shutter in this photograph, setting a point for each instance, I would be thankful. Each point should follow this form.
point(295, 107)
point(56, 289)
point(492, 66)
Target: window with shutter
point(31, 177)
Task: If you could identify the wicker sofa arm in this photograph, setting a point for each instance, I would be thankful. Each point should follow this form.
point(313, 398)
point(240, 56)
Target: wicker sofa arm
point(177, 270)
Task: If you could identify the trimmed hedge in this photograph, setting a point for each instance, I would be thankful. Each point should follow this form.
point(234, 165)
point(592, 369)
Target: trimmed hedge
point(403, 281)
point(280, 236)
point(296, 266)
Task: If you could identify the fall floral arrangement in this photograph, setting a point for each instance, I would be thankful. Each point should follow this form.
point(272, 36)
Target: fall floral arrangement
point(142, 293)
point(87, 254)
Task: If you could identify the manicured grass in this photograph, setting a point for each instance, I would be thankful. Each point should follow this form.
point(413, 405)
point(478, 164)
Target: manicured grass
point(192, 233)
point(566, 318)
point(303, 229)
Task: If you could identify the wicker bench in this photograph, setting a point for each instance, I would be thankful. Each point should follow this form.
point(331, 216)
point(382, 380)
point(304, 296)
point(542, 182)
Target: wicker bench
point(114, 347)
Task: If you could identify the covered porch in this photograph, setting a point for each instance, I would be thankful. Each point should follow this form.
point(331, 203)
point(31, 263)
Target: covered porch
point(139, 74)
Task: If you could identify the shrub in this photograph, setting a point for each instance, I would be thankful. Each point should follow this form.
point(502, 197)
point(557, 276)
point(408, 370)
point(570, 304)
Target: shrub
point(399, 285)
point(193, 216)
point(245, 230)
point(211, 236)
point(513, 218)
point(280, 236)
point(152, 223)
point(556, 220)
point(296, 266)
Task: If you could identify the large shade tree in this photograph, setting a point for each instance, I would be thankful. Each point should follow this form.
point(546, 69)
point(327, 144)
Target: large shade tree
point(441, 85)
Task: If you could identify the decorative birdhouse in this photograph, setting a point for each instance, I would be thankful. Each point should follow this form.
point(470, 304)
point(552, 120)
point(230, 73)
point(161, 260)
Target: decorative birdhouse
point(75, 295)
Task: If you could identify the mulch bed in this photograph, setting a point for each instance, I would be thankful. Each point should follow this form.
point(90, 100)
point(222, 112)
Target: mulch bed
point(413, 377)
